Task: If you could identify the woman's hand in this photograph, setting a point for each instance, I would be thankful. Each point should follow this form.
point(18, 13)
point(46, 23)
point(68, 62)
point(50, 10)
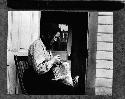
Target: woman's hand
point(76, 80)
point(56, 58)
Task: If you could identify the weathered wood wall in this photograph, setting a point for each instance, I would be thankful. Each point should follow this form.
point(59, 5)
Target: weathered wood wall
point(23, 29)
point(104, 55)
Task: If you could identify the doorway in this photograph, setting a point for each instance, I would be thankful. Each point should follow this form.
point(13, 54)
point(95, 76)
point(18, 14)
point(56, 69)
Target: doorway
point(78, 24)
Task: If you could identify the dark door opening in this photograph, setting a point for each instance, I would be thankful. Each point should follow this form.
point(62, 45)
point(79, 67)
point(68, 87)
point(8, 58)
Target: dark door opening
point(78, 21)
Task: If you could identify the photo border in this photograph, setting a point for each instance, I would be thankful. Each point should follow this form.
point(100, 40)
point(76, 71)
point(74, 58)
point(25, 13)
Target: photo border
point(118, 57)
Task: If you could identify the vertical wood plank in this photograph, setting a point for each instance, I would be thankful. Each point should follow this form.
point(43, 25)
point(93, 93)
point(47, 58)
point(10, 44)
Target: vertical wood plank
point(35, 25)
point(25, 33)
point(9, 43)
point(11, 73)
point(69, 44)
point(92, 38)
point(13, 37)
point(23, 28)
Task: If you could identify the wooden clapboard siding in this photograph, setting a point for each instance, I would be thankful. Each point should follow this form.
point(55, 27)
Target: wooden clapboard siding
point(106, 73)
point(103, 82)
point(105, 28)
point(104, 64)
point(104, 33)
point(103, 91)
point(105, 13)
point(104, 46)
point(104, 54)
point(104, 37)
point(105, 20)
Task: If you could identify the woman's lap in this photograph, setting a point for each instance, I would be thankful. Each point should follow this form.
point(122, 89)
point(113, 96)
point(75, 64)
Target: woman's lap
point(35, 84)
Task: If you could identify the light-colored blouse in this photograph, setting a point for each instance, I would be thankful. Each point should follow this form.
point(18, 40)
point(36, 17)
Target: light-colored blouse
point(39, 57)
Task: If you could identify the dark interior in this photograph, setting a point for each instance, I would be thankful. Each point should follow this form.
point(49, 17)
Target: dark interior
point(78, 21)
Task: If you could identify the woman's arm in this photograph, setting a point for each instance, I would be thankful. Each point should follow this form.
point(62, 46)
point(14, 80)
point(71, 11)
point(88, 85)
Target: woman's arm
point(44, 66)
point(39, 57)
point(42, 59)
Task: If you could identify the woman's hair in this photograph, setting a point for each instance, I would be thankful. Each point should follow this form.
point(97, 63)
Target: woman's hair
point(47, 33)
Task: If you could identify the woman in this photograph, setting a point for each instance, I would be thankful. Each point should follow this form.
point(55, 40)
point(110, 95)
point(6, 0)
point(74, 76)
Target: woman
point(47, 73)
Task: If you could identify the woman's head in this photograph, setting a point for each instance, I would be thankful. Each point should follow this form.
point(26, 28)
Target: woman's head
point(47, 33)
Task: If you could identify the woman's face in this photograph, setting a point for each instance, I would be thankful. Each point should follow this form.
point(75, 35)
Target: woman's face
point(56, 36)
point(49, 39)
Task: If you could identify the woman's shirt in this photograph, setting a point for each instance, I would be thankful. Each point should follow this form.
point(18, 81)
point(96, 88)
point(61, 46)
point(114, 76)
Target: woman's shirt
point(39, 58)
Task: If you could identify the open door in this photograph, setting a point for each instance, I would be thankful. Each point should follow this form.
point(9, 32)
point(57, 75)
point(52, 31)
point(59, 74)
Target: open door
point(75, 50)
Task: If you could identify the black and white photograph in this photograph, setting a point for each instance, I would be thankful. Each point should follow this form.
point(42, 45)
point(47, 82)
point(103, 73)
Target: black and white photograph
point(60, 53)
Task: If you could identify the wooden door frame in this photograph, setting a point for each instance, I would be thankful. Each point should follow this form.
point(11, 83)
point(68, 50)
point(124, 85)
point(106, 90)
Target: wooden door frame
point(92, 46)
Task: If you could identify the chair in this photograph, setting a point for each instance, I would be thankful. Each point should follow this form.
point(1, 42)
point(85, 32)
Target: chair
point(21, 63)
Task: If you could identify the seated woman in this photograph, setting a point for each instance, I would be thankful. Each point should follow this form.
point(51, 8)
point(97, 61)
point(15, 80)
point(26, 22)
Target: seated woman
point(48, 74)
